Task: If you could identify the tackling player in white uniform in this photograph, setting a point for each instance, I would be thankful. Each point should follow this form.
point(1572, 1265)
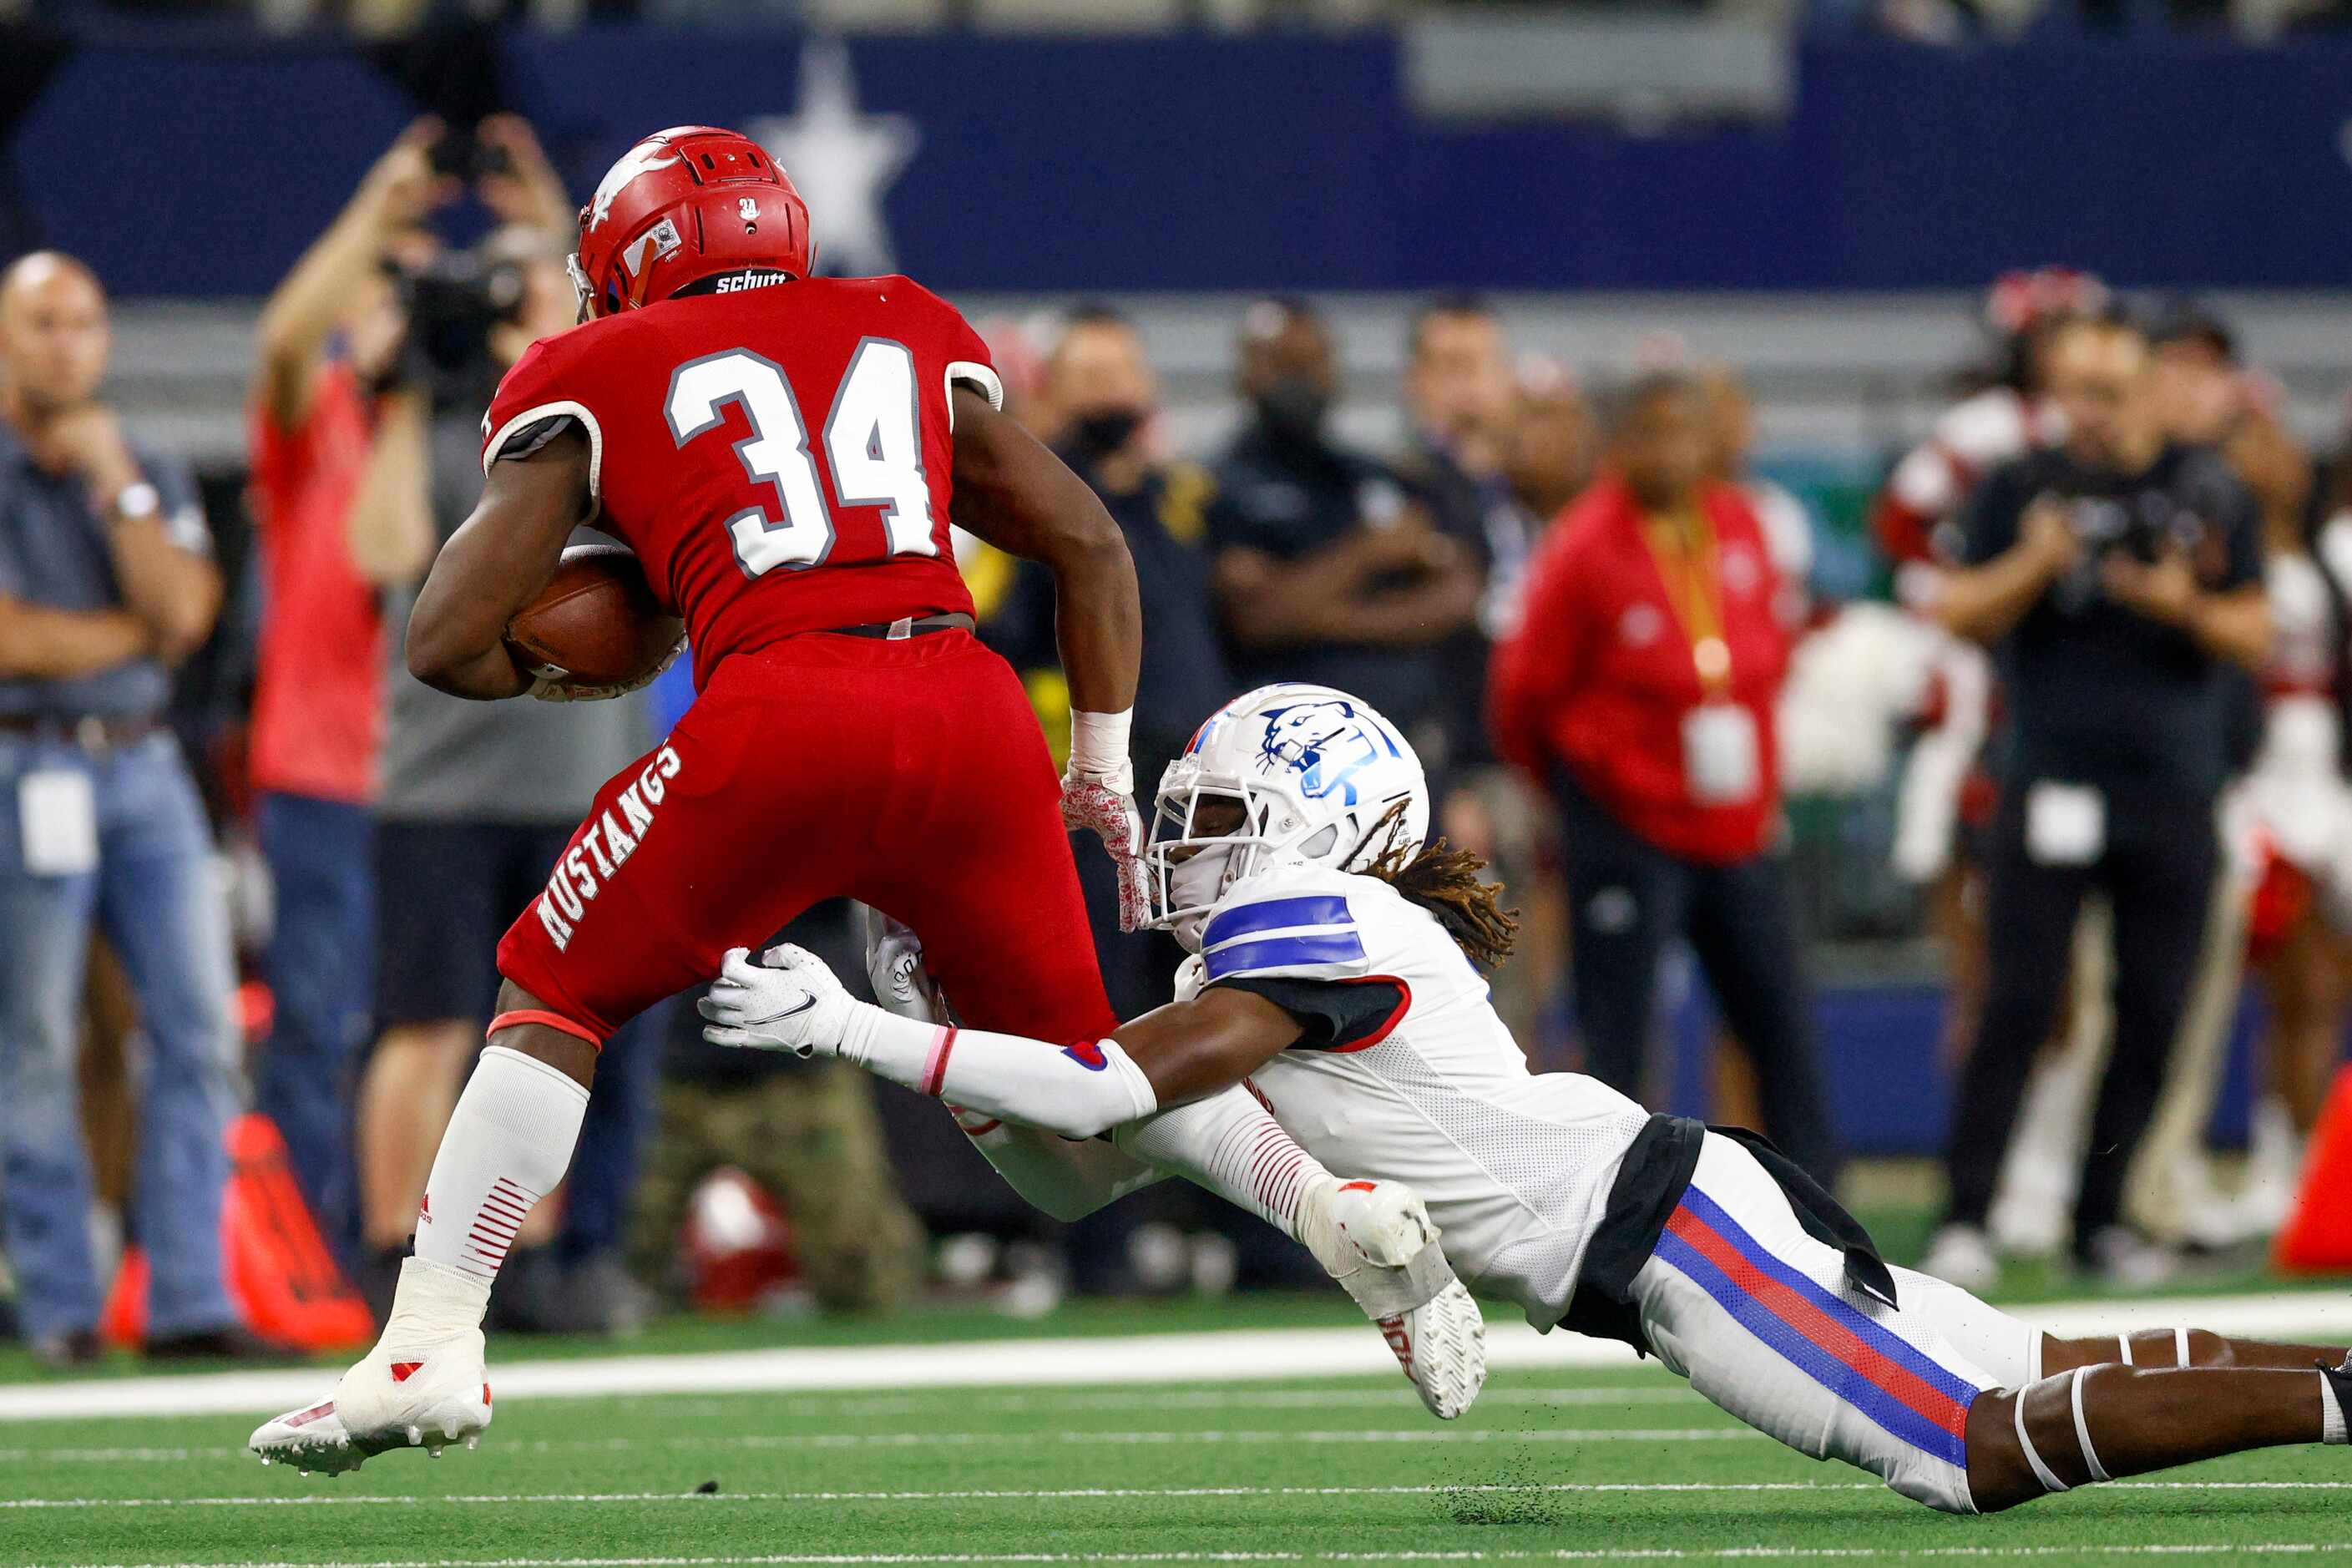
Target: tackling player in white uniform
point(1330, 975)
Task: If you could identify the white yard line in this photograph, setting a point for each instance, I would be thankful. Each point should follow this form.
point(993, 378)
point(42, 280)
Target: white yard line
point(1564, 1554)
point(1248, 1355)
point(740, 1441)
point(1067, 1494)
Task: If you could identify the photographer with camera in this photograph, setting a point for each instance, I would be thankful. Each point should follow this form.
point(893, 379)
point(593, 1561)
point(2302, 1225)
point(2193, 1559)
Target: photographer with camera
point(2116, 578)
point(477, 800)
point(340, 515)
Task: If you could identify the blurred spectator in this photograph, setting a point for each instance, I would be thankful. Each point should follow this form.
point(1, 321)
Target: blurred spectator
point(477, 799)
point(1640, 688)
point(1106, 399)
point(2199, 385)
point(1944, 802)
point(1326, 570)
point(2114, 577)
point(807, 1132)
point(1731, 448)
point(2301, 808)
point(2204, 397)
point(1460, 400)
point(341, 517)
point(1548, 458)
point(2010, 413)
point(1554, 445)
point(106, 581)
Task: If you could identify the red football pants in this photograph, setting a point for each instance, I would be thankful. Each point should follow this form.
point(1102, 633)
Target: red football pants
point(908, 774)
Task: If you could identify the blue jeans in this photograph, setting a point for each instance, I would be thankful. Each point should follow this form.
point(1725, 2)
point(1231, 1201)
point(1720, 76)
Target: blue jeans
point(321, 969)
point(156, 897)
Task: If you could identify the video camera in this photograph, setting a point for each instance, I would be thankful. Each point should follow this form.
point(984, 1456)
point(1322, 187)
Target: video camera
point(454, 303)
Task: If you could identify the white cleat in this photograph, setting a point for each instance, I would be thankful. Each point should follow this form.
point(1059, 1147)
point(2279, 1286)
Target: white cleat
point(1376, 1238)
point(424, 1386)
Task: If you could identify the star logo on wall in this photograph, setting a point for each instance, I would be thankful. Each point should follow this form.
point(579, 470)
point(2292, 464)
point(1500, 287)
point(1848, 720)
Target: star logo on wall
point(843, 161)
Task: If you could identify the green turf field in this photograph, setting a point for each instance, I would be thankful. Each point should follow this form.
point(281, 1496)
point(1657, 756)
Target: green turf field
point(1554, 1465)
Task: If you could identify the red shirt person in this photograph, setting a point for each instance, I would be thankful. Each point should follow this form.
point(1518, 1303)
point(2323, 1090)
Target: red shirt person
point(340, 515)
point(1640, 690)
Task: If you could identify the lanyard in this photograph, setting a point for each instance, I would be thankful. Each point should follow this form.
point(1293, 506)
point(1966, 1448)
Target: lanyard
point(1690, 565)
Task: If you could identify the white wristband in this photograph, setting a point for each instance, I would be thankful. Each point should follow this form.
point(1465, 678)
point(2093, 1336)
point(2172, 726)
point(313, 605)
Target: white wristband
point(1098, 742)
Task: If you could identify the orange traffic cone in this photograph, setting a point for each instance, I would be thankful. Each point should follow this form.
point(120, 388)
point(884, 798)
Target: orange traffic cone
point(282, 1278)
point(281, 1274)
point(2317, 1239)
point(122, 1322)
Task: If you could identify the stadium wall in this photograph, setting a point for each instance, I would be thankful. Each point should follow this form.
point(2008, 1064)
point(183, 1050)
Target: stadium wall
point(1274, 160)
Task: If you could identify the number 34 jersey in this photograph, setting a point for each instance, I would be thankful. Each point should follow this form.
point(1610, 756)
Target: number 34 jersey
point(779, 459)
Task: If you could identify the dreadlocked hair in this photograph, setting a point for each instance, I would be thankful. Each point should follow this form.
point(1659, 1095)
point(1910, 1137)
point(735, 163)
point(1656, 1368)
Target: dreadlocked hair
point(1447, 882)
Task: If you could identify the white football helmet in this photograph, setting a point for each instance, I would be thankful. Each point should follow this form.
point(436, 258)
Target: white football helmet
point(1320, 778)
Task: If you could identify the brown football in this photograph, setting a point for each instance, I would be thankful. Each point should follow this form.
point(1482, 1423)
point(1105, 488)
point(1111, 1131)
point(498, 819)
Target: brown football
point(596, 620)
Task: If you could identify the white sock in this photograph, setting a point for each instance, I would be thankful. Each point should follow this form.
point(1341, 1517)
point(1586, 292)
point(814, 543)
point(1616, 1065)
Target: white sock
point(2331, 1414)
point(508, 1144)
point(1231, 1145)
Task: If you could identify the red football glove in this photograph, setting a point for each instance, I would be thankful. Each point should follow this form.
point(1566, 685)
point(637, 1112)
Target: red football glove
point(1105, 808)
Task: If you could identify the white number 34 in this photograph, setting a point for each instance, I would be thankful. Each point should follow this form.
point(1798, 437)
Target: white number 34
point(873, 440)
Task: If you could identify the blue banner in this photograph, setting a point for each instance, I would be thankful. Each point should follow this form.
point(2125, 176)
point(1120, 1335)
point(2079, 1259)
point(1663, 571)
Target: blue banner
point(980, 162)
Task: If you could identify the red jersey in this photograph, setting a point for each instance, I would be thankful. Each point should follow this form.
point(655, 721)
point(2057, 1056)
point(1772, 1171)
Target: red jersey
point(318, 705)
point(779, 459)
point(1600, 674)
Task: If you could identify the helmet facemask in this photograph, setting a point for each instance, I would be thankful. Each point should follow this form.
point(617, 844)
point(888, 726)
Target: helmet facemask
point(1200, 846)
point(1209, 831)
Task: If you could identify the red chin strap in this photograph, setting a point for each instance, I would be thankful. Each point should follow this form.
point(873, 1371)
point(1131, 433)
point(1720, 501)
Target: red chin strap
point(546, 1019)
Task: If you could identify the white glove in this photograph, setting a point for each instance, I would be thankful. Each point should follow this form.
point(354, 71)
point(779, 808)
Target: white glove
point(788, 1001)
point(550, 684)
point(893, 967)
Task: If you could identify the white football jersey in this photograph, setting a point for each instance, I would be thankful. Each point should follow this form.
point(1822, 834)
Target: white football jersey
point(1413, 1077)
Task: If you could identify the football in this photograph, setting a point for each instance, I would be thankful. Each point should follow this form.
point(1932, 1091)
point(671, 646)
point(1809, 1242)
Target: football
point(596, 620)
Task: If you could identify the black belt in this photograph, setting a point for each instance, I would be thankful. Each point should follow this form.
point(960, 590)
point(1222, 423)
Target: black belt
point(90, 732)
point(907, 626)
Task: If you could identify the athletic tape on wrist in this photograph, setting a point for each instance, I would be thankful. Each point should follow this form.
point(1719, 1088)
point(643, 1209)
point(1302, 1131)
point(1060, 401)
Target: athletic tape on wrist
point(1098, 741)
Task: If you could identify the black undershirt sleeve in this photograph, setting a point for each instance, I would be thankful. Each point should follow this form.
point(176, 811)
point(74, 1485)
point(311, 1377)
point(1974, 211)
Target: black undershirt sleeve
point(522, 443)
point(1331, 1014)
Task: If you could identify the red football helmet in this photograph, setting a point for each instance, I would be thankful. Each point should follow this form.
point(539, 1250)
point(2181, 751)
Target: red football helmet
point(684, 204)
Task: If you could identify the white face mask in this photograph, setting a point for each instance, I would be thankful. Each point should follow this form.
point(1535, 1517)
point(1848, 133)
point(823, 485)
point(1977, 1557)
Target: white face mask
point(1197, 881)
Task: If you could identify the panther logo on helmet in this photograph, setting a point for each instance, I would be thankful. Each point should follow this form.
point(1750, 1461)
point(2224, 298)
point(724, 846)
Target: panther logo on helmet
point(1318, 777)
point(1322, 744)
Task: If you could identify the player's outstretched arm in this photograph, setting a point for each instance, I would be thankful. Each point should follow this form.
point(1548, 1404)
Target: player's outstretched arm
point(503, 555)
point(789, 1001)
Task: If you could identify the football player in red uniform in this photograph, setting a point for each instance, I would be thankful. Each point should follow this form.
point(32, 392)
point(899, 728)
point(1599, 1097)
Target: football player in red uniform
point(781, 452)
